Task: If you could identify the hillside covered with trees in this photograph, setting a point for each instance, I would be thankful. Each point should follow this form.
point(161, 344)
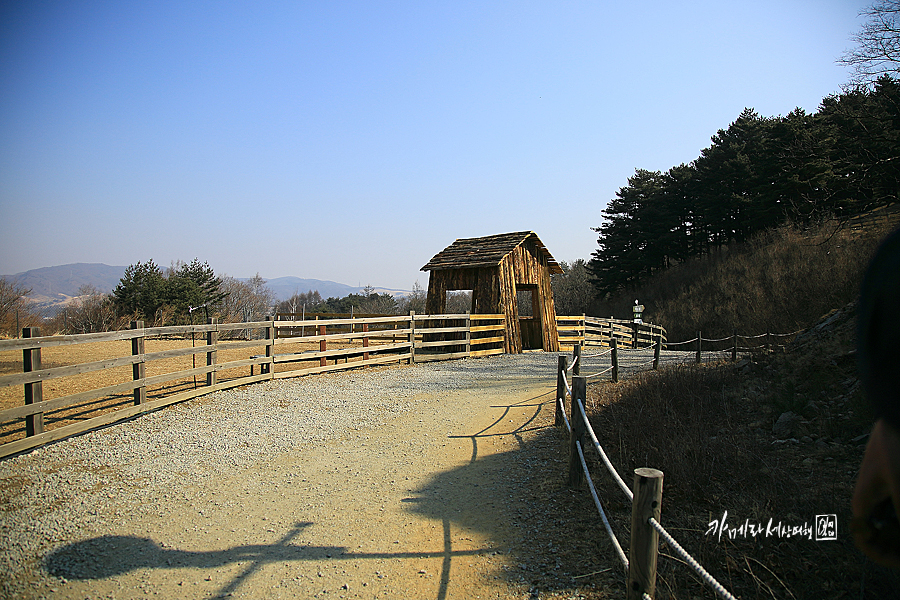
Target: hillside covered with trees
point(758, 173)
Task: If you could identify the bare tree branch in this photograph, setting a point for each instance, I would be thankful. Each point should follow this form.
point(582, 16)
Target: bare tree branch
point(878, 44)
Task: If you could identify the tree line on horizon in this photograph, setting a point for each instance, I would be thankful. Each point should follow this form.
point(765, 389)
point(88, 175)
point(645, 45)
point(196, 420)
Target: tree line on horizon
point(185, 293)
point(758, 173)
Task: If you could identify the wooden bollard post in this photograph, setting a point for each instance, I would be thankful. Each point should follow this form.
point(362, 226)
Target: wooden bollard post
point(323, 346)
point(699, 345)
point(576, 370)
point(562, 365)
point(579, 389)
point(138, 369)
point(270, 345)
point(734, 347)
point(656, 348)
point(412, 337)
point(644, 548)
point(34, 392)
point(212, 338)
point(365, 340)
point(634, 335)
point(614, 355)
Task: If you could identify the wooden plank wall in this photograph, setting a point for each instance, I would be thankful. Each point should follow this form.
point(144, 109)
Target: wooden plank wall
point(529, 267)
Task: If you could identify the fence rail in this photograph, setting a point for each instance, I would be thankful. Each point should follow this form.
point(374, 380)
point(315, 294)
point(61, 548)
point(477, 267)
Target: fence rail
point(283, 348)
point(594, 331)
point(645, 496)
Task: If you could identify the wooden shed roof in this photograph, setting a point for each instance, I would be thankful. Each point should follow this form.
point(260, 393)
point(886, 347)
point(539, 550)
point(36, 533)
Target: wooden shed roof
point(486, 251)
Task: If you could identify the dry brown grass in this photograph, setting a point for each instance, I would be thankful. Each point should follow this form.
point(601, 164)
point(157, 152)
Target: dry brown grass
point(709, 429)
point(59, 356)
point(781, 281)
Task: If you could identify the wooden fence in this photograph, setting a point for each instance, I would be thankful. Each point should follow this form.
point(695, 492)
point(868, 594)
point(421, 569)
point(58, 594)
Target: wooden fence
point(645, 496)
point(594, 331)
point(118, 385)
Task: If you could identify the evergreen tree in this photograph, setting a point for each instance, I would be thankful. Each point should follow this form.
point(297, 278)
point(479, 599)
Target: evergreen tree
point(141, 291)
point(194, 284)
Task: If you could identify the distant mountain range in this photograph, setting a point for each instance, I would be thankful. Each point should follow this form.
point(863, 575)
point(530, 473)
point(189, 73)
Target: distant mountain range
point(51, 286)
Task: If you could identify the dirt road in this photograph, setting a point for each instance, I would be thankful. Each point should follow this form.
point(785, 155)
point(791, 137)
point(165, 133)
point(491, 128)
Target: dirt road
point(439, 502)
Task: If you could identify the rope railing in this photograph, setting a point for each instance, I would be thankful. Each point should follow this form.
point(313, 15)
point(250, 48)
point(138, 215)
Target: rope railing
point(593, 490)
point(598, 355)
point(640, 563)
point(681, 343)
point(566, 383)
point(799, 331)
point(603, 372)
point(603, 456)
point(753, 337)
point(691, 561)
point(562, 407)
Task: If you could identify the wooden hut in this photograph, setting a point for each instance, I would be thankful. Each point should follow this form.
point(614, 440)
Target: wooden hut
point(499, 269)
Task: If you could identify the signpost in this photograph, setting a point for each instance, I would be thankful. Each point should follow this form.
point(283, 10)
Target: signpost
point(638, 311)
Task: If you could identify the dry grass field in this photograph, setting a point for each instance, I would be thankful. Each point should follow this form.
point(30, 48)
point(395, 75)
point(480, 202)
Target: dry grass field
point(60, 356)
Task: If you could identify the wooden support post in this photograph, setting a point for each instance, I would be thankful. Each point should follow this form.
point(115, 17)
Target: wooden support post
point(138, 370)
point(270, 345)
point(468, 332)
point(365, 340)
point(634, 335)
point(562, 365)
point(643, 553)
point(734, 347)
point(614, 355)
point(576, 357)
point(656, 348)
point(699, 345)
point(212, 339)
point(579, 389)
point(323, 346)
point(34, 392)
point(412, 337)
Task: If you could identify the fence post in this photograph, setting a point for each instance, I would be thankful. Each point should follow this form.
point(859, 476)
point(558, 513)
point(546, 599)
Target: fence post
point(576, 370)
point(468, 332)
point(412, 337)
point(562, 365)
point(365, 340)
point(212, 338)
point(323, 346)
point(634, 335)
point(614, 354)
point(266, 368)
point(734, 347)
point(579, 389)
point(139, 369)
point(34, 392)
point(699, 345)
point(656, 348)
point(642, 555)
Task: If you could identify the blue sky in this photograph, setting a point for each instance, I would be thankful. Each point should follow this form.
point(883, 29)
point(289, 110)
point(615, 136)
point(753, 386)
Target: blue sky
point(352, 141)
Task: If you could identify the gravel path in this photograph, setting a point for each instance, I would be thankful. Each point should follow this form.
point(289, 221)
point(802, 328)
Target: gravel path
point(154, 504)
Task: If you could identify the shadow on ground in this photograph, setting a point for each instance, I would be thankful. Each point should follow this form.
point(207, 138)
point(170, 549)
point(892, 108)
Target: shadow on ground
point(550, 533)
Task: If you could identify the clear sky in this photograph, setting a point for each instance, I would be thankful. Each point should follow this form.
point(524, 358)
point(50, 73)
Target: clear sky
point(352, 141)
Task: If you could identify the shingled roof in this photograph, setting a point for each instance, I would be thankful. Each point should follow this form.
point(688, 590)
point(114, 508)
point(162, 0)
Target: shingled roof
point(486, 251)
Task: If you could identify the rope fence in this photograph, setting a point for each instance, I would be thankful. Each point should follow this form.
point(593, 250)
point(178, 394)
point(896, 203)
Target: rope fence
point(646, 530)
